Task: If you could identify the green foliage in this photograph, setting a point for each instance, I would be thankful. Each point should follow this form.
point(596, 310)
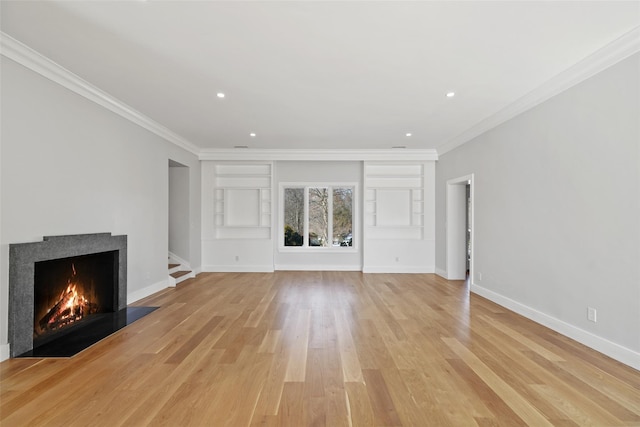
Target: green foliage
point(291, 237)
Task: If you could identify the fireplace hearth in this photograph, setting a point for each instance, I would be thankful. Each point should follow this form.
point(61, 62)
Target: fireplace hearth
point(67, 292)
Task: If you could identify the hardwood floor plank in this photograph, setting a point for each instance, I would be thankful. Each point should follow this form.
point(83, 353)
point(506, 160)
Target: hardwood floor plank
point(406, 405)
point(359, 405)
point(271, 394)
point(351, 369)
point(291, 411)
point(194, 341)
point(521, 407)
point(549, 355)
point(598, 399)
point(621, 392)
point(258, 313)
point(425, 398)
point(498, 407)
point(384, 410)
point(299, 343)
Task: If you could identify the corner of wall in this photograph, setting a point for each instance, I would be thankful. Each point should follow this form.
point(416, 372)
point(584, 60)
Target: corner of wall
point(440, 272)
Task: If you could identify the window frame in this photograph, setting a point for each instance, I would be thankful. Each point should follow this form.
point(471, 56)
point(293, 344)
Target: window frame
point(355, 226)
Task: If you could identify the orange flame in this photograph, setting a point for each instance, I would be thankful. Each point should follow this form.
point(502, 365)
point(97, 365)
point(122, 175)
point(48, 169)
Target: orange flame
point(70, 307)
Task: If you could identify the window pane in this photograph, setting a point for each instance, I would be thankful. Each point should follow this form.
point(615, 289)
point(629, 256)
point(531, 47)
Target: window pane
point(293, 216)
point(342, 216)
point(318, 217)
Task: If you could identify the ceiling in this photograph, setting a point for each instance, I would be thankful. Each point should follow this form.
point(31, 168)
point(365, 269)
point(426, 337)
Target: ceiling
point(318, 74)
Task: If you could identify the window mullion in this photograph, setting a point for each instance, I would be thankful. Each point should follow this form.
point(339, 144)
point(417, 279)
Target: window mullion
point(330, 216)
point(305, 237)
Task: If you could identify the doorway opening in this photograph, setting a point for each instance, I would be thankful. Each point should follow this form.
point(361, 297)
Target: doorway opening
point(459, 227)
point(179, 213)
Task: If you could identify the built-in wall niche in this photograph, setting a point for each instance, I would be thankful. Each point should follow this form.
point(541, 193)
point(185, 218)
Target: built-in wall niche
point(243, 200)
point(394, 200)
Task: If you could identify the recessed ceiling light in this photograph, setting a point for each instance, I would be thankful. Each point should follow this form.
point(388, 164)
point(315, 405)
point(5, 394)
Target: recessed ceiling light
point(220, 95)
point(399, 146)
point(407, 134)
point(240, 146)
point(451, 94)
point(252, 134)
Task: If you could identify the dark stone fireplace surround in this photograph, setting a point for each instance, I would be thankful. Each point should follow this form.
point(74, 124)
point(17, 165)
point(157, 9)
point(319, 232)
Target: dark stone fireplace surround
point(22, 259)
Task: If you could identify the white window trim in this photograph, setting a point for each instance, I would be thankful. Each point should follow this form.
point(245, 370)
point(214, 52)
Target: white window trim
point(305, 248)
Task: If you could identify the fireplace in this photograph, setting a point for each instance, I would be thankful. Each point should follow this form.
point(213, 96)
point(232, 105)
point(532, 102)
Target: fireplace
point(65, 284)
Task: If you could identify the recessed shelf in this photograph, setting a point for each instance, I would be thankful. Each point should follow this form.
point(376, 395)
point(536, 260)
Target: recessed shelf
point(243, 201)
point(394, 200)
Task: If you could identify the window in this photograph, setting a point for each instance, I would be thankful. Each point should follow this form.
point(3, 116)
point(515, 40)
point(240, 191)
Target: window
point(293, 216)
point(317, 215)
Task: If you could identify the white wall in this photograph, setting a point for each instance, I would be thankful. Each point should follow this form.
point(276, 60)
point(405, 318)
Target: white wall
point(557, 209)
point(319, 171)
point(69, 166)
point(179, 237)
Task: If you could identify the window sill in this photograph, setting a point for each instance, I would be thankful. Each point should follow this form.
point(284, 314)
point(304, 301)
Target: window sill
point(318, 249)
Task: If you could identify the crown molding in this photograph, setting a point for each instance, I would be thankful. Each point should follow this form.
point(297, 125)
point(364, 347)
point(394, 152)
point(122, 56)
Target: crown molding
point(324, 154)
point(35, 61)
point(614, 52)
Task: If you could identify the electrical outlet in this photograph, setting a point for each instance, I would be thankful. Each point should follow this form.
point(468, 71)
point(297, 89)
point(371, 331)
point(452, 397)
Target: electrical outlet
point(591, 314)
point(479, 275)
point(237, 258)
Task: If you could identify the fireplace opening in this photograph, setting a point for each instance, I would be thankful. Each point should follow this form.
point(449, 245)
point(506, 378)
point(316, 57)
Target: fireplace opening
point(71, 292)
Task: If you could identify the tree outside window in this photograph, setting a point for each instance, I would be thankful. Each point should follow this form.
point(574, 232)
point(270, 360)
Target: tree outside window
point(342, 216)
point(293, 216)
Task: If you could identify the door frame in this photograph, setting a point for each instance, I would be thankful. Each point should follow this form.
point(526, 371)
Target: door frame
point(456, 207)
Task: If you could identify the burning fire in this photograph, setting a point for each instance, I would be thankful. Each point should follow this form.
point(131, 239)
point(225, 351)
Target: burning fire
point(69, 308)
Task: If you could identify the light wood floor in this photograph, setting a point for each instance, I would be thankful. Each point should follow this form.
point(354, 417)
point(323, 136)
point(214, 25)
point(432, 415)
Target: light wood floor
point(323, 348)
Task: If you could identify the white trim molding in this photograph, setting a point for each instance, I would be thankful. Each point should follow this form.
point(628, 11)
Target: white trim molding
point(404, 269)
point(611, 349)
point(145, 292)
point(616, 51)
point(319, 154)
point(33, 60)
point(237, 268)
point(315, 267)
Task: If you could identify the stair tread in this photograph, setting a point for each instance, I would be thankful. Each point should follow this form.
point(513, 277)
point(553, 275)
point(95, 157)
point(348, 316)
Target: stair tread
point(179, 274)
point(173, 266)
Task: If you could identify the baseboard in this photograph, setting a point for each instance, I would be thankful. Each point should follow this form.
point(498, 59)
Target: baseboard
point(145, 292)
point(611, 349)
point(184, 263)
point(398, 269)
point(316, 267)
point(440, 272)
point(4, 352)
point(237, 268)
